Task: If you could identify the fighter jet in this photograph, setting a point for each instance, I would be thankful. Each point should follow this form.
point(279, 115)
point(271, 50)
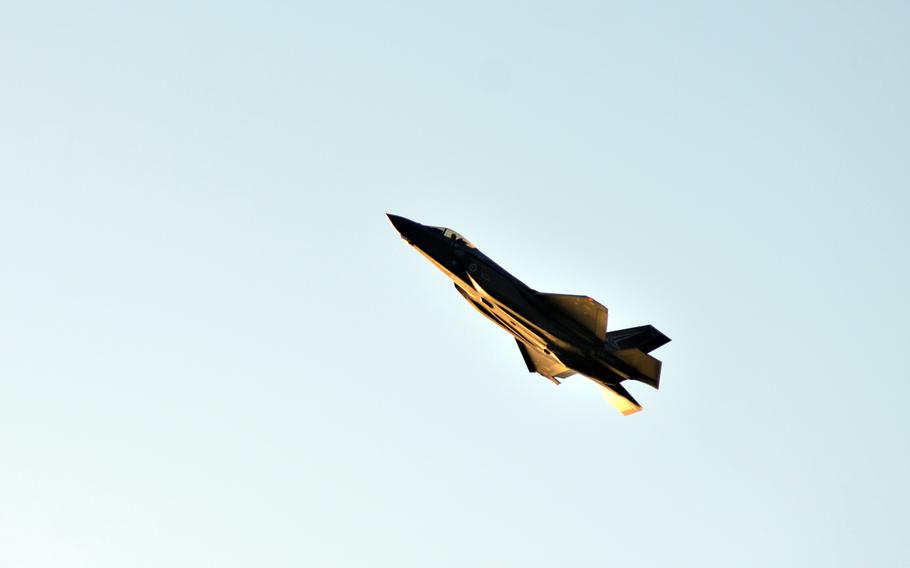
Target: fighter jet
point(558, 335)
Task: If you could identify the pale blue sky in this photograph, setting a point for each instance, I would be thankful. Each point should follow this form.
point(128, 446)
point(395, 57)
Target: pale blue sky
point(214, 350)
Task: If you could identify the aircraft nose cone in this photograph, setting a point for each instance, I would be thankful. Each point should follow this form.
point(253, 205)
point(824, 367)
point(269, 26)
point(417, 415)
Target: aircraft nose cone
point(404, 226)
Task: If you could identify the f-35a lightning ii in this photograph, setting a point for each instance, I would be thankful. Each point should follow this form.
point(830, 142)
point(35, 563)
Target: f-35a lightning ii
point(558, 334)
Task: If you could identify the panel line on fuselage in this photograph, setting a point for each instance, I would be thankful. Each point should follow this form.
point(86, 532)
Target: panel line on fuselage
point(514, 328)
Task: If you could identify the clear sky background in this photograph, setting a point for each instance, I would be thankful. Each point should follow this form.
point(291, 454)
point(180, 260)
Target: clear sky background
point(215, 351)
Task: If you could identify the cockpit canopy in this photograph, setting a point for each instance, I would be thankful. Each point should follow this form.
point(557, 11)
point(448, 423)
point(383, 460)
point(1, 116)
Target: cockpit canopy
point(450, 234)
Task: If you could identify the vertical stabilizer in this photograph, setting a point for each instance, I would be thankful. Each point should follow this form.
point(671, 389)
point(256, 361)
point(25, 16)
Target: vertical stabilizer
point(620, 399)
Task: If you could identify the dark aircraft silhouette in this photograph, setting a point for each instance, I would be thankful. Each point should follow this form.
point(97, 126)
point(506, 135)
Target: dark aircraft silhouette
point(558, 334)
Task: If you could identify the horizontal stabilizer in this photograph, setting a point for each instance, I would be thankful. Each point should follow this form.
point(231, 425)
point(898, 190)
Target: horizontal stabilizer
point(646, 337)
point(547, 365)
point(620, 399)
point(583, 309)
point(646, 367)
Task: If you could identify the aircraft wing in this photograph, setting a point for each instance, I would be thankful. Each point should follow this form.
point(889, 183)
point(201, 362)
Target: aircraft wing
point(583, 309)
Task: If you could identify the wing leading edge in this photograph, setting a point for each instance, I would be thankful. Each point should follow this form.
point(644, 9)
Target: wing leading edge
point(583, 309)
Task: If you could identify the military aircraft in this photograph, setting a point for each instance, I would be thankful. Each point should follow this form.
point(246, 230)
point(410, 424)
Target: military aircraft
point(558, 334)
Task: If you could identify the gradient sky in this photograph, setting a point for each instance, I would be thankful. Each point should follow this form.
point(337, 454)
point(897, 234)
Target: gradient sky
point(215, 351)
